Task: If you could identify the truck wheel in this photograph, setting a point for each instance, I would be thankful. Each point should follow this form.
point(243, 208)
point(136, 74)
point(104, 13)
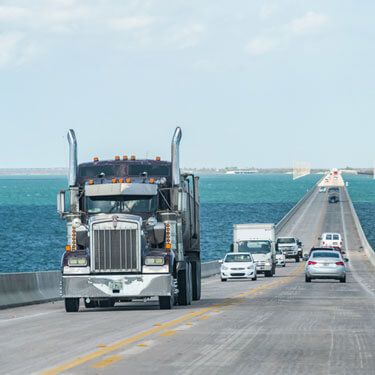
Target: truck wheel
point(196, 277)
point(166, 302)
point(184, 286)
point(343, 280)
point(307, 279)
point(223, 280)
point(297, 259)
point(71, 304)
point(268, 273)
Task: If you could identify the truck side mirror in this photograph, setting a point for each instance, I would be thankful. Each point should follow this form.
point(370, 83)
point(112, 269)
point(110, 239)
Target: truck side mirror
point(61, 202)
point(220, 261)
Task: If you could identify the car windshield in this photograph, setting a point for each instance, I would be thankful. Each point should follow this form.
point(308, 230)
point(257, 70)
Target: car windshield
point(336, 237)
point(255, 247)
point(230, 258)
point(121, 204)
point(286, 240)
point(325, 254)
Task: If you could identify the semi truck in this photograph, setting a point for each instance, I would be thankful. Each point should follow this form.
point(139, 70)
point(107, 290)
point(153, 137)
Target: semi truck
point(259, 240)
point(133, 231)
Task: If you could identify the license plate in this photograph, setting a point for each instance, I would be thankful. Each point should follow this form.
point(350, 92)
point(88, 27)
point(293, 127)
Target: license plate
point(335, 243)
point(115, 285)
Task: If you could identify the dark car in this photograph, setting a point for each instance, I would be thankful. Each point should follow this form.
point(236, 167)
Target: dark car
point(333, 194)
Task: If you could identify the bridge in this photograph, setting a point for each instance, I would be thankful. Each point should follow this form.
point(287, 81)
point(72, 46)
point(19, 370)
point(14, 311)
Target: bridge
point(278, 325)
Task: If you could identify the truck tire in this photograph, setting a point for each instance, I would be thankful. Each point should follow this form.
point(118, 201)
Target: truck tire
point(166, 302)
point(297, 259)
point(268, 273)
point(196, 278)
point(184, 286)
point(71, 304)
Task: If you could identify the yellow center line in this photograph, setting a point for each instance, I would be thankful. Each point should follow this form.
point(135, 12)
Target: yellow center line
point(157, 328)
point(168, 333)
point(107, 361)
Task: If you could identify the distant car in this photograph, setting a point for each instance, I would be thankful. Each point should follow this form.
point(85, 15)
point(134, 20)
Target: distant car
point(238, 266)
point(331, 240)
point(322, 189)
point(280, 258)
point(325, 264)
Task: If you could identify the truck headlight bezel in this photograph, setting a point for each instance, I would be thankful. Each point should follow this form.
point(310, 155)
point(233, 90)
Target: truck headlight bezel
point(154, 260)
point(77, 261)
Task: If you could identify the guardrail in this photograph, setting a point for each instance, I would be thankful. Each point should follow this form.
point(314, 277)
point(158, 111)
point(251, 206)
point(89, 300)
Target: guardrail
point(364, 243)
point(26, 288)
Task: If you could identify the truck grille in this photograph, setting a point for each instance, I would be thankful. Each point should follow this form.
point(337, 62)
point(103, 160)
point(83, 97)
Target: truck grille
point(115, 250)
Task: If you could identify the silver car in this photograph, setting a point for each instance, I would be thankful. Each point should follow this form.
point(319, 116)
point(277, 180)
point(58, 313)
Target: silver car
point(325, 265)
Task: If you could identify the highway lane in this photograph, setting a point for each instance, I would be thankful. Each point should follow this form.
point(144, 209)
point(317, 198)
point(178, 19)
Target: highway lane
point(279, 325)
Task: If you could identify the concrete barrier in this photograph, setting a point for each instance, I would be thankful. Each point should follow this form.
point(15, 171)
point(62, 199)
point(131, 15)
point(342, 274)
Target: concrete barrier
point(23, 288)
point(210, 268)
point(364, 243)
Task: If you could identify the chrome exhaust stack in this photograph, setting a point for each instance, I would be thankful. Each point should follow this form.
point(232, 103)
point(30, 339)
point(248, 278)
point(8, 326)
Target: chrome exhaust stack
point(175, 156)
point(72, 177)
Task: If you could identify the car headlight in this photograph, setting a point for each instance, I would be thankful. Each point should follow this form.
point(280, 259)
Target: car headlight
point(224, 268)
point(77, 262)
point(154, 261)
point(250, 267)
point(267, 264)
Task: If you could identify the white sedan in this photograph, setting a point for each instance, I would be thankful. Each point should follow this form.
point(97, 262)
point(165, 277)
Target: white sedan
point(238, 266)
point(280, 258)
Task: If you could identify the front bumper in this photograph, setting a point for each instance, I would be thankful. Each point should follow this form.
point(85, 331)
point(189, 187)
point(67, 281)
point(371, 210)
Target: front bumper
point(238, 274)
point(263, 268)
point(101, 286)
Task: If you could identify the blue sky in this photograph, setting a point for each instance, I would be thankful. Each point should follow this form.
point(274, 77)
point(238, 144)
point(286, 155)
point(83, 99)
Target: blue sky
point(252, 83)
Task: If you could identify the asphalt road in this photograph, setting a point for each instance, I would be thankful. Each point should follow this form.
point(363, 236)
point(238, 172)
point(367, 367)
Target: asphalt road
point(279, 325)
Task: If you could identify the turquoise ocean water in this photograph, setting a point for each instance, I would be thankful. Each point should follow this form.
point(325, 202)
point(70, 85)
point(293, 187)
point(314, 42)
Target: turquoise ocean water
point(32, 236)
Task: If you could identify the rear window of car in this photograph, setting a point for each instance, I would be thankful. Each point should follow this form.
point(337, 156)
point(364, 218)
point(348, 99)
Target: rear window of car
point(325, 254)
point(328, 237)
point(336, 237)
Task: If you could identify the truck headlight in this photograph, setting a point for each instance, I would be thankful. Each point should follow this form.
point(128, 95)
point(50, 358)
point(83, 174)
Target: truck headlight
point(154, 261)
point(77, 262)
point(267, 264)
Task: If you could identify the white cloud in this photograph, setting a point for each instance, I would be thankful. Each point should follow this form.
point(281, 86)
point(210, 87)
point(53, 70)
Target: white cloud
point(127, 23)
point(267, 10)
point(187, 36)
point(281, 37)
point(15, 50)
point(311, 22)
point(261, 45)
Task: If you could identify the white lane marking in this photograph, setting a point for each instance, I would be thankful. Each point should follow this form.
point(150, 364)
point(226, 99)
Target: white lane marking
point(28, 316)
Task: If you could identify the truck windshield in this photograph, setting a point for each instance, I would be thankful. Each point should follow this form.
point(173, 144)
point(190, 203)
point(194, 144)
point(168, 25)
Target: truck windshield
point(121, 204)
point(286, 240)
point(255, 247)
point(237, 258)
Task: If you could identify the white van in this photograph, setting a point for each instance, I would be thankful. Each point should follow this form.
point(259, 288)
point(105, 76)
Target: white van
point(331, 240)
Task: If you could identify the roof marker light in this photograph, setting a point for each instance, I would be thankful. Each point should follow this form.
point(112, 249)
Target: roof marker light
point(120, 180)
point(128, 180)
point(114, 180)
point(125, 157)
point(158, 158)
point(95, 158)
point(91, 182)
point(151, 180)
point(132, 157)
point(117, 158)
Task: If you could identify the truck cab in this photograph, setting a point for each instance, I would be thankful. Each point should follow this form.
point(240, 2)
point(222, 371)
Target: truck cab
point(259, 240)
point(290, 247)
point(132, 231)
